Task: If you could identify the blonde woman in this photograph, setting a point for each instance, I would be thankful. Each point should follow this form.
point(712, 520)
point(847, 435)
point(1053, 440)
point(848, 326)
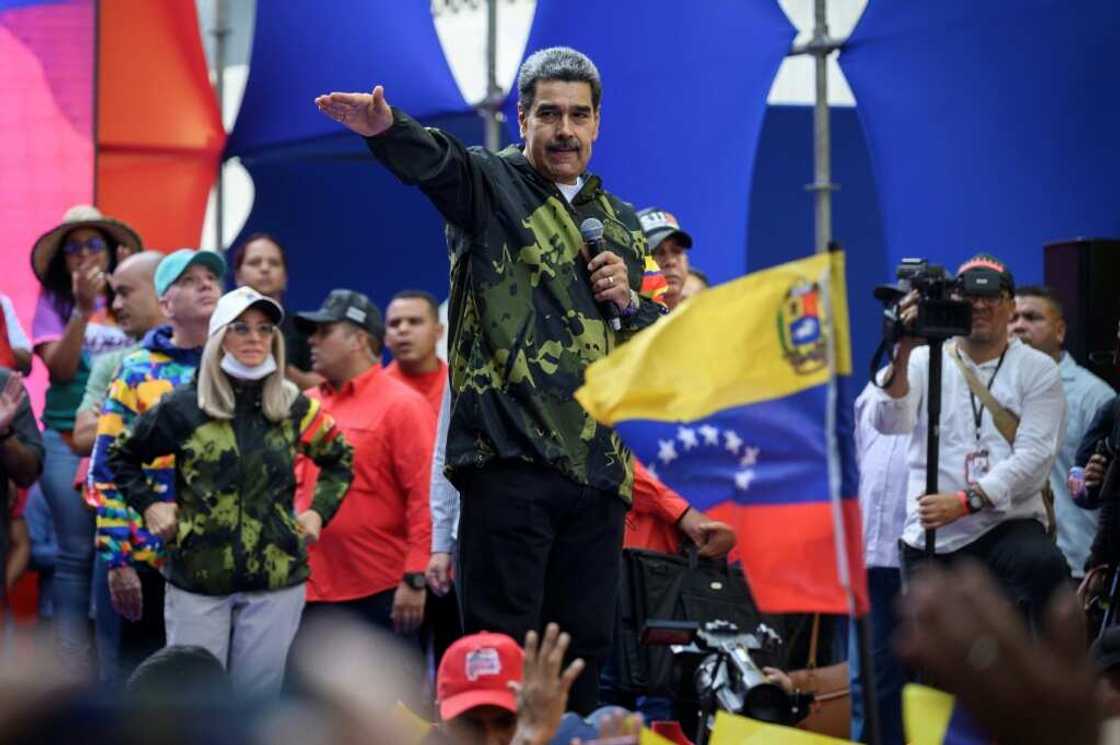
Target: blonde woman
point(237, 552)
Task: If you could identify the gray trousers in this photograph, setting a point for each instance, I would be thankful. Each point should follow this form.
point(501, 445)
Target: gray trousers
point(249, 632)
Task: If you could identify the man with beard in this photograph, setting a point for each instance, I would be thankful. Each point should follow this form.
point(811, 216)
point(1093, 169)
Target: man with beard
point(1039, 322)
point(544, 487)
point(990, 506)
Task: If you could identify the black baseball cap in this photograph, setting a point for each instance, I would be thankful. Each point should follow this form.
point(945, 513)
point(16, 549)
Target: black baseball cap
point(984, 274)
point(344, 305)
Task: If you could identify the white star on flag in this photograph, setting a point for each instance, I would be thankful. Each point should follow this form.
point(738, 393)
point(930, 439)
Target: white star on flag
point(733, 441)
point(710, 434)
point(666, 452)
point(652, 468)
point(743, 479)
point(750, 457)
point(687, 436)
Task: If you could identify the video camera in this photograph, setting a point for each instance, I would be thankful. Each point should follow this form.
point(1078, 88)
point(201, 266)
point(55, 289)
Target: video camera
point(727, 677)
point(939, 315)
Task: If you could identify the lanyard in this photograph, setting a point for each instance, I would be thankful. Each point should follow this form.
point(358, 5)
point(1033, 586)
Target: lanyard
point(978, 413)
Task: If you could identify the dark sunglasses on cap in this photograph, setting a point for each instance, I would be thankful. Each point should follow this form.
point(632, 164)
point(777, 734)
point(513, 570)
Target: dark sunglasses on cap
point(93, 245)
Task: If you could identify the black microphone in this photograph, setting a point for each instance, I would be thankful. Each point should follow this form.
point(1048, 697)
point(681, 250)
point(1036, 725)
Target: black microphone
point(592, 231)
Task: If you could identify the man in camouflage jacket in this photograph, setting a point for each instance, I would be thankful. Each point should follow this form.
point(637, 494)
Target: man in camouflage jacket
point(544, 486)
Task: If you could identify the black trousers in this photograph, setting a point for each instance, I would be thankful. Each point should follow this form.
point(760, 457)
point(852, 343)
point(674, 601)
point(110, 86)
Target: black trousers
point(1026, 563)
point(535, 547)
point(442, 625)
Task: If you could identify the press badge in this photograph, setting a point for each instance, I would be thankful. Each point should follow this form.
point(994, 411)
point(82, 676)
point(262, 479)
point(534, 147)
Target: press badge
point(976, 466)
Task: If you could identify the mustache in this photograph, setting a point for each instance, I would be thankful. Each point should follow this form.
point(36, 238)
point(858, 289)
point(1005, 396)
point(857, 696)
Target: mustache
point(563, 146)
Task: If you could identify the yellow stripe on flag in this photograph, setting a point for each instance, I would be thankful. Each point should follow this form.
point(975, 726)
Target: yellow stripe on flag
point(735, 730)
point(746, 341)
point(926, 713)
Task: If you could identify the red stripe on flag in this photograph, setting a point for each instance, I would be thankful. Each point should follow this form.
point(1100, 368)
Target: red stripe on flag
point(789, 555)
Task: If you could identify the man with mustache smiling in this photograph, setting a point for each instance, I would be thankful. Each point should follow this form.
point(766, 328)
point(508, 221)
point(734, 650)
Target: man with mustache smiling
point(544, 487)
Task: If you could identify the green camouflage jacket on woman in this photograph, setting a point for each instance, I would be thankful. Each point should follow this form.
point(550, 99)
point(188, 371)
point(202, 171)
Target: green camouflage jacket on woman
point(234, 487)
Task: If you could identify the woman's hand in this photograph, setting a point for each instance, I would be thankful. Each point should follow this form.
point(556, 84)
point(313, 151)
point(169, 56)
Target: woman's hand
point(310, 524)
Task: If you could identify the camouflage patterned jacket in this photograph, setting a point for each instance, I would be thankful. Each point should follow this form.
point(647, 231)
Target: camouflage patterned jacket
point(235, 487)
point(523, 320)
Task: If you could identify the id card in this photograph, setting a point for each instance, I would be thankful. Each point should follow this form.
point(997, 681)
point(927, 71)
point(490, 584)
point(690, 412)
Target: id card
point(976, 466)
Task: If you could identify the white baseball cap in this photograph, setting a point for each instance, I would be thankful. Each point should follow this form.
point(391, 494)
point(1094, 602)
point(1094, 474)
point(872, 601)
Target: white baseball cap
point(236, 302)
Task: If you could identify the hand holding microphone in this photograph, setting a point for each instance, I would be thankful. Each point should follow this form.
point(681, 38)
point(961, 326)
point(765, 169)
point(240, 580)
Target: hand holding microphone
point(608, 273)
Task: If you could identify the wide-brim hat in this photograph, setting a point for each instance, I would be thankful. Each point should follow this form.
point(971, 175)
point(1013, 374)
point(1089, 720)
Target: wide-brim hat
point(80, 216)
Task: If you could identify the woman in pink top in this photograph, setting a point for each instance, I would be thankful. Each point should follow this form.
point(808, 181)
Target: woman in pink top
point(70, 329)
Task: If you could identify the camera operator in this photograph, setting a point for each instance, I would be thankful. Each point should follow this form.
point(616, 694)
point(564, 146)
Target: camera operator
point(989, 504)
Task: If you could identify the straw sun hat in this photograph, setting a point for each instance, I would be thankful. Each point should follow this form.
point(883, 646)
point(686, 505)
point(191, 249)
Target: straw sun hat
point(80, 216)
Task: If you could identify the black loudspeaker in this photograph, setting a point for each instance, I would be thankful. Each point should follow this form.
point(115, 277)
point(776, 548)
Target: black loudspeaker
point(1085, 275)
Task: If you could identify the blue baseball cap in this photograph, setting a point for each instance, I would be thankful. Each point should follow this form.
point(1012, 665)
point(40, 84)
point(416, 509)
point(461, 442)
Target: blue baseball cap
point(172, 266)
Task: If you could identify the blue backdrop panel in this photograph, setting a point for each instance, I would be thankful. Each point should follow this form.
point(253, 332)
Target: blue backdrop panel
point(781, 211)
point(303, 48)
point(684, 93)
point(347, 222)
point(992, 125)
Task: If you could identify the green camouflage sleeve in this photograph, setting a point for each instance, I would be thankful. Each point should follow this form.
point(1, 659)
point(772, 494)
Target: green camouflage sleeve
point(321, 440)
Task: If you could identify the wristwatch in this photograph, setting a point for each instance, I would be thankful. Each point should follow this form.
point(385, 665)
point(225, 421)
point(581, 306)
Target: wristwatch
point(415, 580)
point(974, 500)
point(632, 308)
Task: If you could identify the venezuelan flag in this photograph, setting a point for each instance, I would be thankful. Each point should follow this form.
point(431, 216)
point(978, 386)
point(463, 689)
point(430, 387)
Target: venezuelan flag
point(731, 729)
point(654, 284)
point(933, 718)
point(732, 400)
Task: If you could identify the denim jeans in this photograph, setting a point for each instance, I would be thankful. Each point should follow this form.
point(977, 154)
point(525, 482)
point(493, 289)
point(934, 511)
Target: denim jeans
point(74, 529)
point(884, 585)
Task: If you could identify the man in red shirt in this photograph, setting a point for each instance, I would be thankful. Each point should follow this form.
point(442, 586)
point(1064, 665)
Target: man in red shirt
point(412, 332)
point(371, 558)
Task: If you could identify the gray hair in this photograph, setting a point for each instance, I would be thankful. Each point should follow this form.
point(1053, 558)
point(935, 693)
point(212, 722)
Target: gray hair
point(557, 63)
point(215, 392)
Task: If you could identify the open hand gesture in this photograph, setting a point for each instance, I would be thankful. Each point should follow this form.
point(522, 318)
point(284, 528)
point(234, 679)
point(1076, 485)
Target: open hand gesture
point(368, 114)
point(542, 694)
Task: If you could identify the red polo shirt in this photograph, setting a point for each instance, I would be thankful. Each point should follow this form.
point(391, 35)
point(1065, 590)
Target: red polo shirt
point(383, 528)
point(429, 385)
point(652, 520)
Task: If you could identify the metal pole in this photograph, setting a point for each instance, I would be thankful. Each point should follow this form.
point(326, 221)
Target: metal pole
point(221, 32)
point(822, 185)
point(493, 102)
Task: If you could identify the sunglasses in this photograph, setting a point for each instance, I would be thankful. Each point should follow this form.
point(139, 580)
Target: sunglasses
point(93, 245)
point(240, 328)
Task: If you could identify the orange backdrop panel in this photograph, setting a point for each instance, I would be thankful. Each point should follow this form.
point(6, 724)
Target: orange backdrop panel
point(159, 133)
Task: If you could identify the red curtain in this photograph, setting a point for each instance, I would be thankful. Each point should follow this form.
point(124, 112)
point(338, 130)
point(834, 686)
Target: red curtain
point(159, 133)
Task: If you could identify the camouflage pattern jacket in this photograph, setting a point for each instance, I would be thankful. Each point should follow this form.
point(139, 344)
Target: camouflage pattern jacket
point(523, 320)
point(234, 487)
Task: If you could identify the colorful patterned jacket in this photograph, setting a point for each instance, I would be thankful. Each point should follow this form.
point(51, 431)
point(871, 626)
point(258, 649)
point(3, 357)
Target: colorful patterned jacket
point(234, 487)
point(144, 377)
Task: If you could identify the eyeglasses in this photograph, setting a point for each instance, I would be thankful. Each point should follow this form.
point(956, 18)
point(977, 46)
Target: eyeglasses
point(93, 245)
point(240, 328)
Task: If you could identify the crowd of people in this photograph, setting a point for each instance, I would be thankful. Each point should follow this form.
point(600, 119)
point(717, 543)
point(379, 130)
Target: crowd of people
point(225, 497)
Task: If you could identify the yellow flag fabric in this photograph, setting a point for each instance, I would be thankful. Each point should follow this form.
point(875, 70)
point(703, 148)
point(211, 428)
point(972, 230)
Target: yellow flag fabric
point(754, 339)
point(735, 730)
point(926, 714)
